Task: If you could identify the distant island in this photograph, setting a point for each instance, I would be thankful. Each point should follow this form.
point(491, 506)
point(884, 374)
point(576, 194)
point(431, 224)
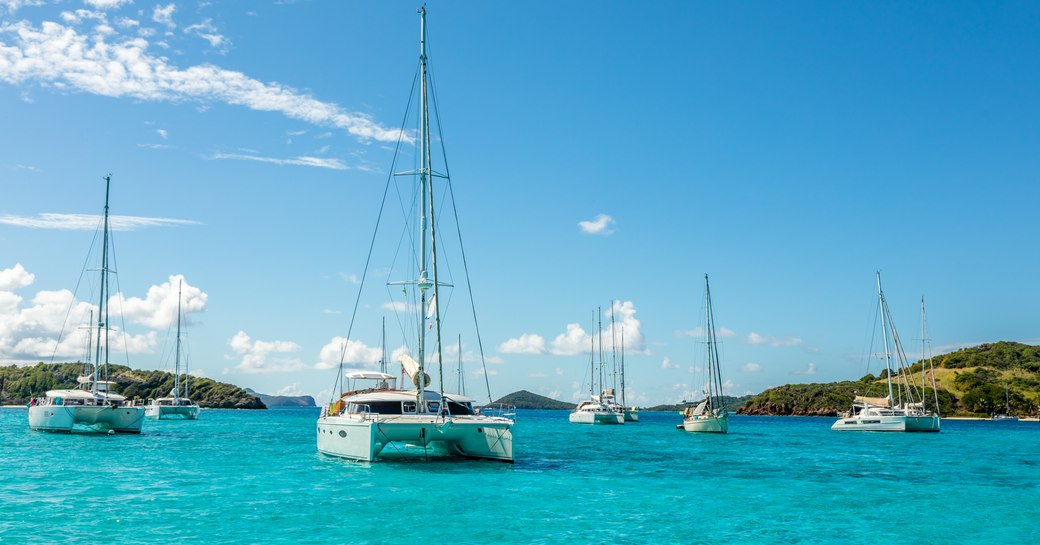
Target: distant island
point(528, 400)
point(283, 401)
point(19, 384)
point(970, 382)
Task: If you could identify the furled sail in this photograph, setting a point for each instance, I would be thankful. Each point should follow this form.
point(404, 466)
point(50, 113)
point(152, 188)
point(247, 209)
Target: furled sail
point(411, 368)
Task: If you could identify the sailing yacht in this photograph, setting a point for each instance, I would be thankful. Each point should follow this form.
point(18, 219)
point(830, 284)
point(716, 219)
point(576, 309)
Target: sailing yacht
point(599, 408)
point(710, 415)
point(1006, 415)
point(903, 409)
point(93, 406)
point(177, 406)
point(364, 422)
point(608, 396)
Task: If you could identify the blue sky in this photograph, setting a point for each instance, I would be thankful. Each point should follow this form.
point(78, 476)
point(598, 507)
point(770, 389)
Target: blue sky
point(789, 150)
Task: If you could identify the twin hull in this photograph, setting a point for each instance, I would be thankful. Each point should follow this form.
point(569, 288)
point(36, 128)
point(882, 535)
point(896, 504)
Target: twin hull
point(597, 418)
point(176, 412)
point(887, 423)
point(365, 437)
point(100, 418)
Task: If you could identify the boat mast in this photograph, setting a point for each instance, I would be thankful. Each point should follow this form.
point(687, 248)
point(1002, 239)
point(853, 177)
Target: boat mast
point(599, 313)
point(592, 358)
point(613, 351)
point(102, 308)
point(884, 335)
point(424, 179)
point(177, 357)
point(382, 345)
point(623, 402)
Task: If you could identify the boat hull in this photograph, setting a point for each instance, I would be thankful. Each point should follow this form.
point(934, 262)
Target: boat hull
point(367, 437)
point(631, 416)
point(888, 423)
point(89, 418)
point(604, 418)
point(163, 412)
point(706, 424)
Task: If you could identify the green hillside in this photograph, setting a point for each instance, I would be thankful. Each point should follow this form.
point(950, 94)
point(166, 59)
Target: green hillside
point(732, 403)
point(527, 400)
point(19, 384)
point(970, 382)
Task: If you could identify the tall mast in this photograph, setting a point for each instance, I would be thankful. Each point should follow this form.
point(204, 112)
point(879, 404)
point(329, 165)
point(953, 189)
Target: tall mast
point(177, 358)
point(884, 335)
point(592, 357)
point(382, 345)
point(424, 179)
point(623, 402)
point(613, 350)
point(101, 357)
point(599, 314)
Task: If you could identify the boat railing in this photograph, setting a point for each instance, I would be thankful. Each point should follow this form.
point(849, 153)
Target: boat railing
point(361, 409)
point(499, 410)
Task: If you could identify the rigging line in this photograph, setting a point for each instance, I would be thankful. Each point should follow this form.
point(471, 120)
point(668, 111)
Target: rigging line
point(462, 248)
point(64, 322)
point(122, 315)
point(336, 386)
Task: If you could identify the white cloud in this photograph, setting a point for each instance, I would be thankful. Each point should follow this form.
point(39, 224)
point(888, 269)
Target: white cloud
point(599, 226)
point(16, 277)
point(50, 324)
point(350, 278)
point(161, 133)
point(89, 222)
point(528, 343)
point(158, 309)
point(208, 32)
point(262, 356)
point(751, 367)
point(59, 56)
point(810, 370)
point(106, 4)
point(290, 390)
point(349, 351)
point(756, 339)
point(164, 15)
point(13, 5)
point(699, 332)
point(666, 363)
point(320, 162)
point(573, 342)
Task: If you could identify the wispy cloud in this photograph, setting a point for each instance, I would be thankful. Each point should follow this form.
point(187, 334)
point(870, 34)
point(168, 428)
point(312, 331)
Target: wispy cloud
point(751, 367)
point(106, 63)
point(106, 4)
point(810, 370)
point(265, 356)
point(699, 332)
point(88, 222)
point(602, 225)
point(756, 339)
point(320, 162)
point(208, 32)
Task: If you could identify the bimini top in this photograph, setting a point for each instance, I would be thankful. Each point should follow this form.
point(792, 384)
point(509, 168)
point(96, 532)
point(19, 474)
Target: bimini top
point(369, 375)
point(70, 394)
point(874, 401)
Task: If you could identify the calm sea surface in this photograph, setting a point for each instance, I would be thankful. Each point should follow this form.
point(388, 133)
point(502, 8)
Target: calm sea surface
point(256, 477)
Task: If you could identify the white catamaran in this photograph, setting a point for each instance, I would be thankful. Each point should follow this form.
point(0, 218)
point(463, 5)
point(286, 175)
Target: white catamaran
point(599, 408)
point(177, 406)
point(903, 409)
point(365, 423)
point(93, 407)
point(710, 415)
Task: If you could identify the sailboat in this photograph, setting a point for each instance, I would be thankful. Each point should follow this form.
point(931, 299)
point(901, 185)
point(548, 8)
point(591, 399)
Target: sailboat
point(599, 408)
point(903, 409)
point(710, 415)
point(177, 406)
point(93, 407)
point(363, 422)
point(1006, 415)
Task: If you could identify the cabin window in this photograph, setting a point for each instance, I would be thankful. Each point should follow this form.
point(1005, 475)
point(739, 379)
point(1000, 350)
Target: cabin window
point(408, 407)
point(433, 406)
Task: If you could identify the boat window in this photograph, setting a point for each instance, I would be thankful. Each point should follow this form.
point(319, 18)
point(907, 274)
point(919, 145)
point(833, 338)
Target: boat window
point(408, 407)
point(460, 408)
point(433, 406)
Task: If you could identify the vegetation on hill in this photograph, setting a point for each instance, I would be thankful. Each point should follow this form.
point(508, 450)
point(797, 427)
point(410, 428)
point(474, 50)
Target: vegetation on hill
point(283, 401)
point(527, 400)
point(19, 384)
point(970, 382)
point(732, 403)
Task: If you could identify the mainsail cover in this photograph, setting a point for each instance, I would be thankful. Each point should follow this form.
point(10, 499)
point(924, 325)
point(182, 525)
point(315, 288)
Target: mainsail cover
point(411, 368)
point(874, 401)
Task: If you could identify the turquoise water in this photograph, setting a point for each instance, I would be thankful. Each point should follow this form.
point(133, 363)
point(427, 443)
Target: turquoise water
point(255, 477)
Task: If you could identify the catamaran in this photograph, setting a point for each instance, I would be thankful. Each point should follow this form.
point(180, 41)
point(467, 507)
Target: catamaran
point(710, 415)
point(599, 408)
point(363, 422)
point(93, 407)
point(1006, 415)
point(177, 406)
point(903, 409)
